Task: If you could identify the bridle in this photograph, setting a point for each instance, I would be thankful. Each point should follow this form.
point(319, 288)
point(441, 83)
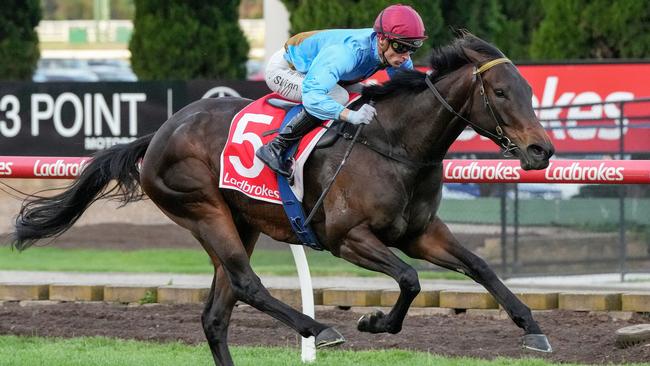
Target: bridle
point(498, 135)
point(504, 141)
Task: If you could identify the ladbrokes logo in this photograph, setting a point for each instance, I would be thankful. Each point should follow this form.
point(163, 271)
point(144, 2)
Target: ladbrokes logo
point(58, 169)
point(590, 173)
point(475, 171)
point(246, 187)
point(5, 168)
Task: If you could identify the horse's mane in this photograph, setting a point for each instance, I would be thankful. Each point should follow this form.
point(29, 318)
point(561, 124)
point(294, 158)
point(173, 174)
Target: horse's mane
point(444, 60)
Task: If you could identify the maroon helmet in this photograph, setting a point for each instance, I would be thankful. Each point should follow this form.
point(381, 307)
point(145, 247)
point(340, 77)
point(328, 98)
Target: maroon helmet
point(402, 23)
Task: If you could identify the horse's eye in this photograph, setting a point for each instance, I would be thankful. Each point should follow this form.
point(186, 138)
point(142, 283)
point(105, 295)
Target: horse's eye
point(499, 93)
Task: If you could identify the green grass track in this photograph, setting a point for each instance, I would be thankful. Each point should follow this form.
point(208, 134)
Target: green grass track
point(190, 261)
point(97, 351)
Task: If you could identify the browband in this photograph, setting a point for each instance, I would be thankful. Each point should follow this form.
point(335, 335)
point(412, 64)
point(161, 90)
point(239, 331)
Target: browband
point(486, 66)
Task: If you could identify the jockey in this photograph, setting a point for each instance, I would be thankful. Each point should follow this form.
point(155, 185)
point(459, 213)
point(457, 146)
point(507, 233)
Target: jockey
point(313, 66)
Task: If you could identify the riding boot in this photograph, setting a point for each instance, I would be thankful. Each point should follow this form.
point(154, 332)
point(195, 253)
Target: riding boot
point(271, 153)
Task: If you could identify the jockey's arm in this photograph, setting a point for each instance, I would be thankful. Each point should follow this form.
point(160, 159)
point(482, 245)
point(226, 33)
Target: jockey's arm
point(323, 75)
point(390, 71)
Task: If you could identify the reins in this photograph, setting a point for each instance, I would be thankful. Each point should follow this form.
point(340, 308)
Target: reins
point(389, 154)
point(499, 136)
point(504, 141)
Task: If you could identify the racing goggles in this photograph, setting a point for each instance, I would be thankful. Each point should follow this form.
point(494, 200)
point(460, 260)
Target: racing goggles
point(404, 46)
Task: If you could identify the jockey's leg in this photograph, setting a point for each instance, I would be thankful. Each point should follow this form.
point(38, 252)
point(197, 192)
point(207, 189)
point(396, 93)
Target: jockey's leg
point(271, 153)
point(283, 79)
point(287, 82)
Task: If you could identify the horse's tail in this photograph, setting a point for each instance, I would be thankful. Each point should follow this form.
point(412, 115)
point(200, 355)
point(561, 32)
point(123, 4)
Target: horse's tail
point(46, 217)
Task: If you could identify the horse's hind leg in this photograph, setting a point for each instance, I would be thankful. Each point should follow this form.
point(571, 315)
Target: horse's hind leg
point(438, 246)
point(218, 307)
point(361, 247)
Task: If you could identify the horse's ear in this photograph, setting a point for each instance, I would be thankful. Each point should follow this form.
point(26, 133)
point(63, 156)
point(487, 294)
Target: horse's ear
point(475, 57)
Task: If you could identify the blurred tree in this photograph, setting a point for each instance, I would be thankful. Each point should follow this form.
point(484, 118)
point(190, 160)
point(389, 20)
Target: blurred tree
point(514, 35)
point(481, 17)
point(593, 29)
point(320, 14)
point(18, 39)
point(508, 24)
point(523, 30)
point(187, 39)
point(291, 5)
point(562, 33)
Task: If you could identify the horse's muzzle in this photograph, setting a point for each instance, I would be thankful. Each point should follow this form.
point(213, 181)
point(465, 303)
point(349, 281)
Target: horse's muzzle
point(535, 156)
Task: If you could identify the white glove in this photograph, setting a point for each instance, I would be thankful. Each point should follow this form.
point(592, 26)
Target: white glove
point(364, 115)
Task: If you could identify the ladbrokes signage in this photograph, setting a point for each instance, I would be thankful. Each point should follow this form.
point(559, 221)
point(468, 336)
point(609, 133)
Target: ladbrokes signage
point(586, 128)
point(558, 171)
point(77, 119)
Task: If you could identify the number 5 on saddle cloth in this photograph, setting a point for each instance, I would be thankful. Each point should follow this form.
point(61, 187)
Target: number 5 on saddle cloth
point(243, 171)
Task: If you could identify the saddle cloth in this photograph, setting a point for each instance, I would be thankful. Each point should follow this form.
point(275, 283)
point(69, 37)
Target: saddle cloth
point(242, 171)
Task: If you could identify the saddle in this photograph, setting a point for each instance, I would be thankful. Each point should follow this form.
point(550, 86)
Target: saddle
point(334, 131)
point(253, 126)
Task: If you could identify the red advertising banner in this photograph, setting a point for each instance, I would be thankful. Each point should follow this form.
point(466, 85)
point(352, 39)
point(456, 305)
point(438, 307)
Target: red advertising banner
point(41, 167)
point(455, 171)
point(562, 94)
point(558, 171)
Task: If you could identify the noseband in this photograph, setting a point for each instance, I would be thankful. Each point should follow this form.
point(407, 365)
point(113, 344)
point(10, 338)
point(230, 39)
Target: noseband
point(498, 135)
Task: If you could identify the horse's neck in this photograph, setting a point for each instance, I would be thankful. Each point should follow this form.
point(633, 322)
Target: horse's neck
point(447, 127)
point(420, 124)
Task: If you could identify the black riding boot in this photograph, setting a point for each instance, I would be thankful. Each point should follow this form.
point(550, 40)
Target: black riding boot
point(271, 153)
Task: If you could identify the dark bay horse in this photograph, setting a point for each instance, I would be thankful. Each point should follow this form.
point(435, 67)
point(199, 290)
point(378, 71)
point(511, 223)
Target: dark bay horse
point(386, 196)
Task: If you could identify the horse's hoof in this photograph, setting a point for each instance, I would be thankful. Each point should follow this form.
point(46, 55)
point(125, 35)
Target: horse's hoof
point(328, 338)
point(632, 335)
point(537, 342)
point(369, 322)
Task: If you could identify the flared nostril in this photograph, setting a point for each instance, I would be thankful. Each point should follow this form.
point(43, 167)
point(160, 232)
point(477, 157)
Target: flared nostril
point(538, 152)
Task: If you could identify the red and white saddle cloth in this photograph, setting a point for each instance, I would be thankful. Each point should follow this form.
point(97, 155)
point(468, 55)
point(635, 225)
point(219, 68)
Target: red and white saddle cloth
point(242, 171)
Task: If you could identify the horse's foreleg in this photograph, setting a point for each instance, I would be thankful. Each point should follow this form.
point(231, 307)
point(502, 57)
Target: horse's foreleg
point(437, 245)
point(361, 247)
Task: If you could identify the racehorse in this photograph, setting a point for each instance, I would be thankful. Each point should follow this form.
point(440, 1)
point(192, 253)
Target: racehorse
point(386, 196)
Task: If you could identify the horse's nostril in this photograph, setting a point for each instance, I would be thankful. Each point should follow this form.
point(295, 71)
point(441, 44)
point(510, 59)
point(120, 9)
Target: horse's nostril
point(538, 152)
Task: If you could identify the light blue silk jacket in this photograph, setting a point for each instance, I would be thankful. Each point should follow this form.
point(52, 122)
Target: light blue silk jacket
point(328, 57)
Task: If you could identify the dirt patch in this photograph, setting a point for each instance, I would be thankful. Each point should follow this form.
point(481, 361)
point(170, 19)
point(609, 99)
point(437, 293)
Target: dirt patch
point(575, 336)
